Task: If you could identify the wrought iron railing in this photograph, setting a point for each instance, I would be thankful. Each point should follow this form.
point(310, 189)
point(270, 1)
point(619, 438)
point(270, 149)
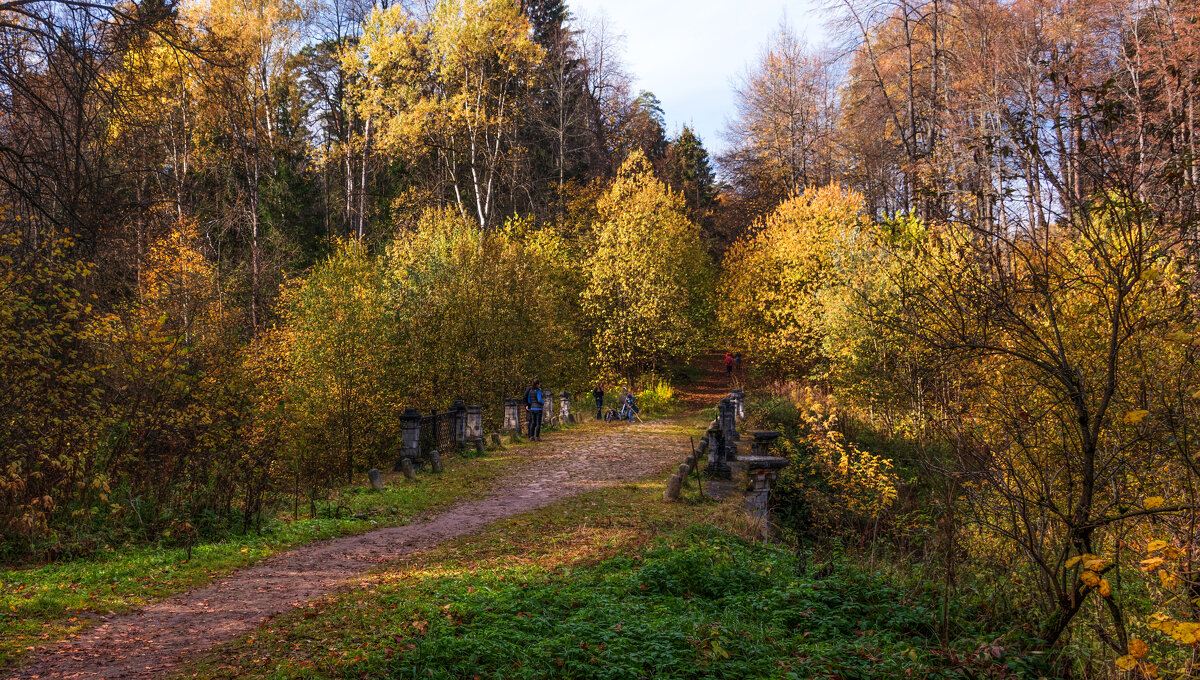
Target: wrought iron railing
point(437, 432)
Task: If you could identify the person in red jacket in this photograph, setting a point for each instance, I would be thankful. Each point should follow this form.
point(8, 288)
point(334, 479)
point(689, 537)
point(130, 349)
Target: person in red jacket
point(728, 364)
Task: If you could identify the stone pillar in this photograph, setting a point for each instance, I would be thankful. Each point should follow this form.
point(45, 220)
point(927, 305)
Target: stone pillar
point(474, 423)
point(564, 407)
point(410, 438)
point(717, 466)
point(764, 440)
point(460, 422)
point(547, 407)
point(725, 422)
point(761, 474)
point(739, 401)
point(512, 416)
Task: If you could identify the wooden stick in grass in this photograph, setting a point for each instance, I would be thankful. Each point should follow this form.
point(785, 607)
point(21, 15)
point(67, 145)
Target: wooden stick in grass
point(696, 467)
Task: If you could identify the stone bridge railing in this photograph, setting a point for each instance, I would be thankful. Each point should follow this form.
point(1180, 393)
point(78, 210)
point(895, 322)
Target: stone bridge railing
point(724, 461)
point(424, 437)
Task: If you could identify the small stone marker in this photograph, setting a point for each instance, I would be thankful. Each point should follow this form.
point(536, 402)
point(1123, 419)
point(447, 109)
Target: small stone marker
point(406, 467)
point(673, 485)
point(496, 441)
point(435, 460)
point(376, 479)
point(685, 469)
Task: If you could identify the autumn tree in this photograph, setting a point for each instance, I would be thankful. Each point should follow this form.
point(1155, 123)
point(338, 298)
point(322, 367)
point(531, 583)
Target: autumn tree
point(774, 277)
point(446, 92)
point(783, 138)
point(648, 293)
point(243, 128)
point(48, 411)
point(340, 334)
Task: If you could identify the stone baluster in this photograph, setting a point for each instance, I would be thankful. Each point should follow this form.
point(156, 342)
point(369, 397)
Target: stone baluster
point(764, 440)
point(762, 471)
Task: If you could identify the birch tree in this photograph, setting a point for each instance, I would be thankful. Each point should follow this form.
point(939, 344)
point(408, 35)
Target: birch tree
point(445, 93)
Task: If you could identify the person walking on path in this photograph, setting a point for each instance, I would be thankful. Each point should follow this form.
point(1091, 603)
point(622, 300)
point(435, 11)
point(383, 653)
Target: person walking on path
point(737, 363)
point(534, 400)
point(598, 393)
point(728, 364)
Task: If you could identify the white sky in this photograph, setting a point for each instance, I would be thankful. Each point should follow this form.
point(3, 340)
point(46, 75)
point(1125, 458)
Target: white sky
point(691, 52)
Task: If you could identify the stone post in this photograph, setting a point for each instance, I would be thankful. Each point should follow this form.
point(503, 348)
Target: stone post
point(717, 466)
point(761, 473)
point(739, 401)
point(729, 434)
point(474, 424)
point(460, 422)
point(564, 407)
point(410, 439)
point(674, 484)
point(512, 416)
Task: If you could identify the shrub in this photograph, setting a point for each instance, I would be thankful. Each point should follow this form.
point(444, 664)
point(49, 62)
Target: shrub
point(658, 397)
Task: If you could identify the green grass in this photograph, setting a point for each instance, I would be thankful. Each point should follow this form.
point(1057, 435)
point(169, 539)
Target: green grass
point(44, 604)
point(614, 585)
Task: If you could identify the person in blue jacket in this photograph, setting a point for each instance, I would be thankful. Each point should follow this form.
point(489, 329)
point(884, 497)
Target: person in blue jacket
point(598, 395)
point(534, 403)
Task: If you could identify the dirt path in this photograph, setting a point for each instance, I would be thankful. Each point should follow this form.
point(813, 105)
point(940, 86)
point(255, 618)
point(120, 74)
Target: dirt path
point(154, 640)
point(711, 386)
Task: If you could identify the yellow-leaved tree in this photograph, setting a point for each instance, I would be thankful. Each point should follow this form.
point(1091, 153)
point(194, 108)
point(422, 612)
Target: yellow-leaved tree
point(445, 93)
point(171, 354)
point(341, 325)
point(649, 291)
point(48, 403)
point(773, 278)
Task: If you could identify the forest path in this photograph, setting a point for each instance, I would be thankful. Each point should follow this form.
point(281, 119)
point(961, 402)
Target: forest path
point(711, 384)
point(153, 641)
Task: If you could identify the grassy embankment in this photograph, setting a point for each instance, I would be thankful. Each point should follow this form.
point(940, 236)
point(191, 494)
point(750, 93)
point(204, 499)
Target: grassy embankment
point(43, 604)
point(619, 584)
